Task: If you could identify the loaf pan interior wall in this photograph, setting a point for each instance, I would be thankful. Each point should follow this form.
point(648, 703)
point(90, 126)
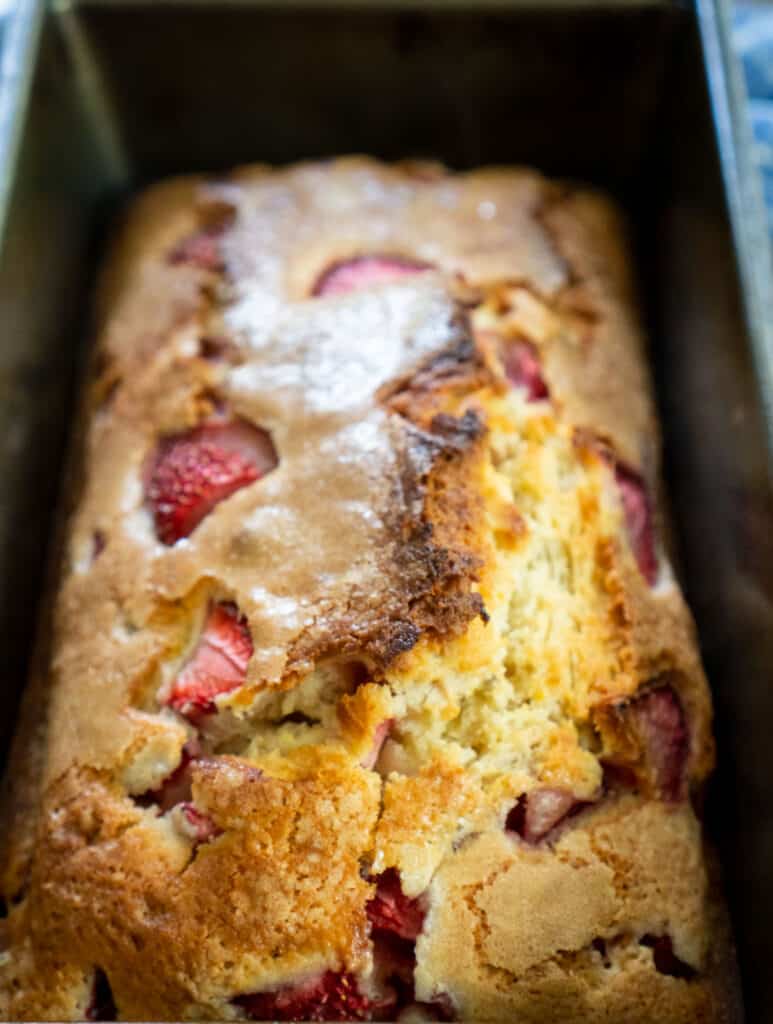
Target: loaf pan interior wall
point(124, 93)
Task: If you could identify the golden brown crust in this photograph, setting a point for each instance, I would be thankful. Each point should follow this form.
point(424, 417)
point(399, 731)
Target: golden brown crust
point(183, 916)
point(448, 614)
point(504, 910)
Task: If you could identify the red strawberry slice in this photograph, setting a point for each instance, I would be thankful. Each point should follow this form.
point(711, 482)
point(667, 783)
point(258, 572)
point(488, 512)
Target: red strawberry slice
point(200, 827)
point(539, 811)
point(174, 793)
point(638, 520)
point(331, 996)
point(365, 272)
point(379, 738)
point(201, 249)
point(396, 921)
point(176, 788)
point(523, 370)
point(192, 472)
point(390, 910)
point(218, 663)
point(657, 721)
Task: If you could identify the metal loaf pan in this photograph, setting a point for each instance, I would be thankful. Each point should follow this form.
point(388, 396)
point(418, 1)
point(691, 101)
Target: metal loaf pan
point(102, 97)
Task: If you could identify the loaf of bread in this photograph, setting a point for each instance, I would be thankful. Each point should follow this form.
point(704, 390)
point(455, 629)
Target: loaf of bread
point(371, 693)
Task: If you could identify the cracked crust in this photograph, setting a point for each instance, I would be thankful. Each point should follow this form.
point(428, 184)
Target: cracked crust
point(538, 932)
point(447, 618)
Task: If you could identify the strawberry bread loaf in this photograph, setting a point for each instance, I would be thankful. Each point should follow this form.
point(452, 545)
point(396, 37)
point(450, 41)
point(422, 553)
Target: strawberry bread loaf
point(371, 694)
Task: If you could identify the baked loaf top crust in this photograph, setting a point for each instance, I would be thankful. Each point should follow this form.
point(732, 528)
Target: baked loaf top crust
point(371, 689)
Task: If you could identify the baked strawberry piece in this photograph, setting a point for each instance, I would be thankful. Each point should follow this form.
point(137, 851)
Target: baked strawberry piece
point(396, 921)
point(176, 788)
point(379, 738)
point(365, 272)
point(217, 665)
point(191, 473)
point(657, 721)
point(650, 744)
point(175, 794)
point(197, 826)
point(390, 910)
point(201, 249)
point(539, 811)
point(523, 370)
point(638, 520)
point(331, 996)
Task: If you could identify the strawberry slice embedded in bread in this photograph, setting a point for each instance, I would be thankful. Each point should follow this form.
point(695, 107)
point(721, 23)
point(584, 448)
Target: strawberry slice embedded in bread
point(638, 520)
point(191, 473)
point(649, 743)
point(197, 826)
point(390, 910)
point(331, 996)
point(218, 663)
point(539, 811)
point(175, 795)
point(379, 738)
point(657, 720)
point(396, 922)
point(176, 788)
point(365, 272)
point(523, 370)
point(201, 249)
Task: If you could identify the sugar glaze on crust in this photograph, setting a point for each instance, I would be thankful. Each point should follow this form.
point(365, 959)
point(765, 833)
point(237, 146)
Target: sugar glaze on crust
point(371, 693)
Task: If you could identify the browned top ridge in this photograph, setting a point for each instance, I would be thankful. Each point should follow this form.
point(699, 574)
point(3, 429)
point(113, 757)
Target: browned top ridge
point(371, 692)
